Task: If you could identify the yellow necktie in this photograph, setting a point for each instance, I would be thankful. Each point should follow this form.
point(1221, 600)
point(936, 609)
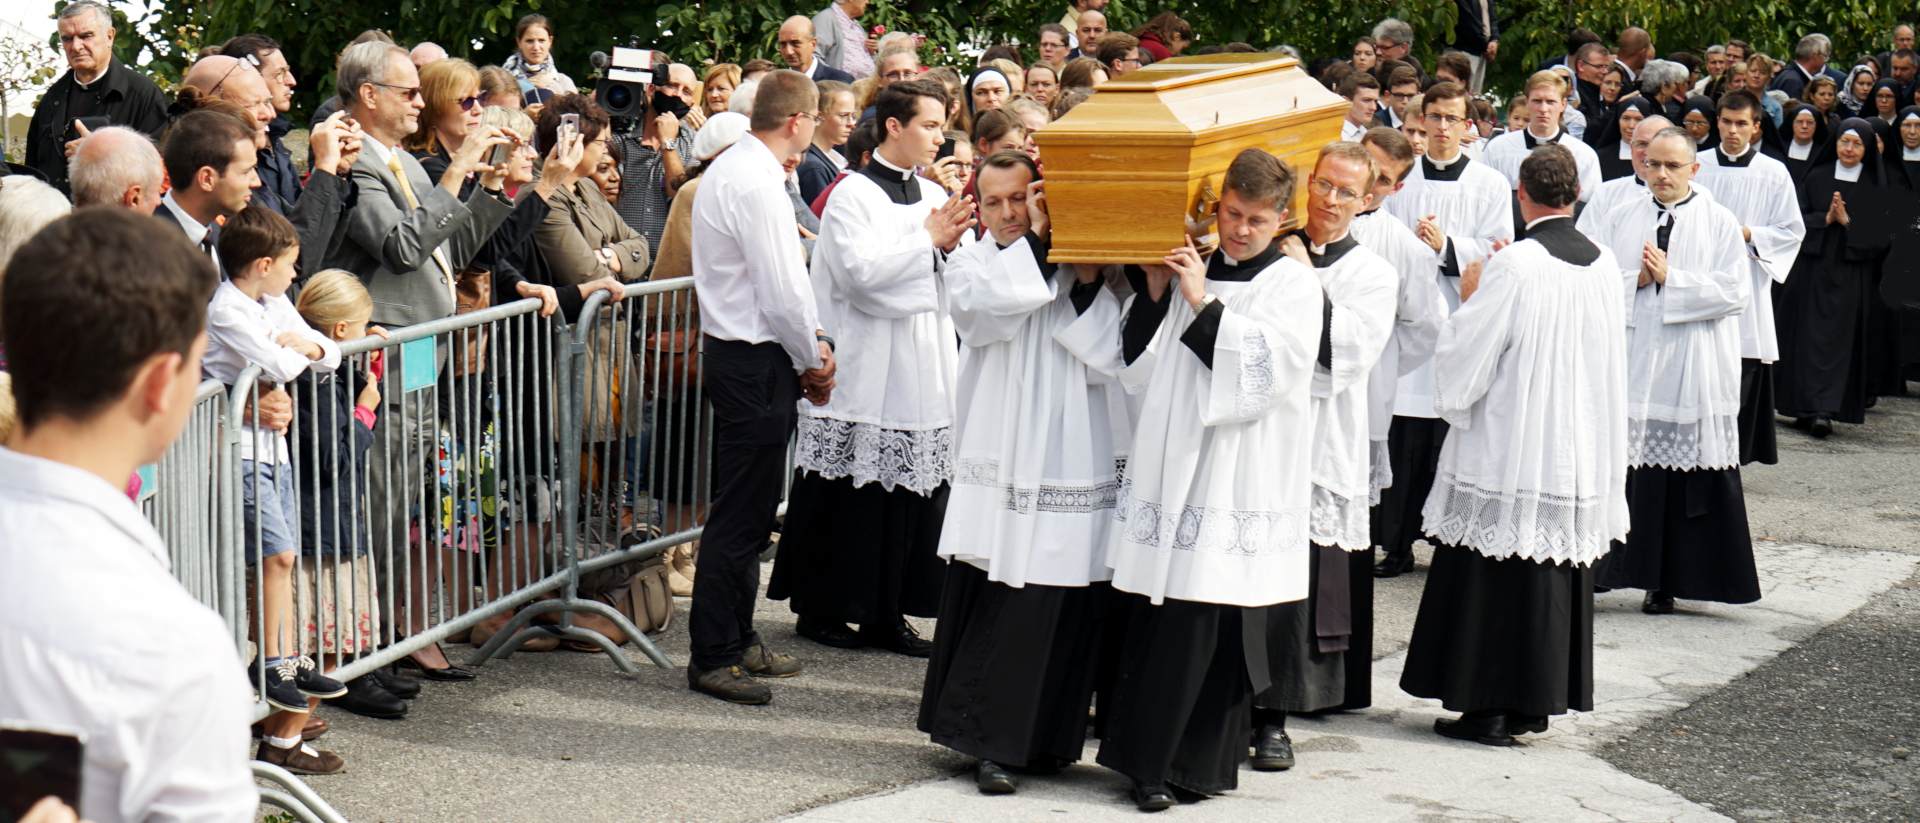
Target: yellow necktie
point(406, 188)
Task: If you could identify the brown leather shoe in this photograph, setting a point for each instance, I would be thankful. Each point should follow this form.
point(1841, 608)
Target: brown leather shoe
point(760, 662)
point(315, 727)
point(299, 762)
point(731, 684)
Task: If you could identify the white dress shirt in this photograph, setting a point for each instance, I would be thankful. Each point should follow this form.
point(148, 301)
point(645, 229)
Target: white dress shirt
point(196, 233)
point(96, 634)
point(241, 332)
point(748, 268)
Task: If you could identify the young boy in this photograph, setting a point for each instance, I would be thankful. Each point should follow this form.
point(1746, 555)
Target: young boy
point(102, 319)
point(251, 322)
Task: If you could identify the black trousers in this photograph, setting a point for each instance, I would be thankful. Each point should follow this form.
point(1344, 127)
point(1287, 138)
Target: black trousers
point(753, 388)
point(1413, 448)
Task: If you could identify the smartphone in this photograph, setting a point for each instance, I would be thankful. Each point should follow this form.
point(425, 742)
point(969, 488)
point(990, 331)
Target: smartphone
point(500, 154)
point(93, 124)
point(946, 149)
point(37, 760)
point(569, 126)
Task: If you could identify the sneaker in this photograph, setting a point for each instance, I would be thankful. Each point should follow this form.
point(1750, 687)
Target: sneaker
point(760, 662)
point(301, 759)
point(314, 684)
point(280, 690)
point(730, 684)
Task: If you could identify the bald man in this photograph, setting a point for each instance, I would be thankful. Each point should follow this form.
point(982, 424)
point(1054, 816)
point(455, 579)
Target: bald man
point(116, 166)
point(797, 42)
point(1636, 48)
point(238, 82)
point(426, 53)
point(1093, 26)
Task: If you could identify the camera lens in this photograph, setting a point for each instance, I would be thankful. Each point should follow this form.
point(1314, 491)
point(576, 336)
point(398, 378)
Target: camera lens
point(620, 97)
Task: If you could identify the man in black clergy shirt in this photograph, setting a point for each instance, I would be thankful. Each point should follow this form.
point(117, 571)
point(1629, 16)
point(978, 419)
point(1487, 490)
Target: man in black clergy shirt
point(96, 85)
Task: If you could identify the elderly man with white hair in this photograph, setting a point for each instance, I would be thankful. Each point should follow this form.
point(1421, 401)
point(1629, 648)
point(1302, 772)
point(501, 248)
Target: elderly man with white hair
point(116, 166)
point(426, 53)
point(1665, 82)
point(96, 85)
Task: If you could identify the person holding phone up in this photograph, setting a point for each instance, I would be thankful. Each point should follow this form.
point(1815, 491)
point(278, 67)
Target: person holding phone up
point(97, 91)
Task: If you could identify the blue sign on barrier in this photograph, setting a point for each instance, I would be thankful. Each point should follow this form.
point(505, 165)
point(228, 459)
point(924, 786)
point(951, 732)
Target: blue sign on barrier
point(416, 365)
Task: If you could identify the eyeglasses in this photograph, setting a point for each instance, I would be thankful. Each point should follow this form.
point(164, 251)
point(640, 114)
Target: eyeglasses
point(812, 115)
point(1658, 165)
point(471, 103)
point(248, 60)
point(1598, 66)
point(413, 92)
point(897, 76)
point(1394, 95)
point(1340, 196)
point(1445, 120)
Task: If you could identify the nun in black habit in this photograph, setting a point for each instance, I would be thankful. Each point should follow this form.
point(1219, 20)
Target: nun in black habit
point(1610, 141)
point(1700, 117)
point(1800, 141)
point(1821, 316)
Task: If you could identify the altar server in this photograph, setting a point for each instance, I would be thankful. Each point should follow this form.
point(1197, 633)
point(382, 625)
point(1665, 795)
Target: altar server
point(1546, 93)
point(873, 464)
point(1531, 372)
point(1685, 273)
point(1758, 191)
point(1029, 517)
point(1314, 645)
point(1460, 209)
point(1213, 510)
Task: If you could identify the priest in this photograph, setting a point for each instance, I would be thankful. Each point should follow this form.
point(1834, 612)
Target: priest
point(1546, 93)
point(1213, 511)
point(1757, 189)
point(1459, 208)
point(1531, 372)
point(1622, 189)
point(872, 465)
point(1014, 652)
point(1685, 271)
point(1314, 645)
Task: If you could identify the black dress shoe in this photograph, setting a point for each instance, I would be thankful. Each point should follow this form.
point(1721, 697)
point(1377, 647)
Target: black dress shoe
point(1151, 797)
point(366, 698)
point(992, 778)
point(401, 687)
point(1803, 423)
point(1488, 728)
point(899, 639)
point(1394, 564)
point(1820, 427)
point(450, 674)
point(1272, 750)
point(1657, 603)
point(828, 633)
point(1526, 723)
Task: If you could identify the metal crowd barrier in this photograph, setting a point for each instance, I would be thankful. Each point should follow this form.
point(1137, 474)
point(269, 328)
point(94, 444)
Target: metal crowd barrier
point(513, 456)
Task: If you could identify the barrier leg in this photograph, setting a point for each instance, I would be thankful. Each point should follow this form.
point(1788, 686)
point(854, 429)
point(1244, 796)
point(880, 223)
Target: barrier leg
point(294, 795)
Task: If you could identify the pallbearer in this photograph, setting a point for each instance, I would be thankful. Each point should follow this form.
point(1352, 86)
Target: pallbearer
point(1028, 519)
point(1686, 275)
point(1315, 645)
point(873, 465)
point(1460, 208)
point(1213, 513)
point(1757, 189)
point(1531, 373)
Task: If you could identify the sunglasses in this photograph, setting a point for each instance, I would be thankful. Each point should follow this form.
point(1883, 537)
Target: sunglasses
point(249, 60)
point(413, 92)
point(471, 103)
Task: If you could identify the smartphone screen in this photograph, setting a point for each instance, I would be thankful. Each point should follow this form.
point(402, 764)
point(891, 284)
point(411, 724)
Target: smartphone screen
point(36, 761)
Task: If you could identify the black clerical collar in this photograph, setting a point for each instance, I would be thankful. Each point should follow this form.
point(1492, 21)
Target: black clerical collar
point(1536, 142)
point(1332, 252)
point(1450, 171)
point(1559, 237)
point(898, 183)
point(1223, 268)
point(1741, 162)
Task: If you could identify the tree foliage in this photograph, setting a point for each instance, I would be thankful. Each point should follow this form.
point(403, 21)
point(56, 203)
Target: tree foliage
point(697, 31)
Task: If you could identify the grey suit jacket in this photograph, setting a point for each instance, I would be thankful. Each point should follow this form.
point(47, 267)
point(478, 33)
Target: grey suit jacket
point(832, 44)
point(390, 247)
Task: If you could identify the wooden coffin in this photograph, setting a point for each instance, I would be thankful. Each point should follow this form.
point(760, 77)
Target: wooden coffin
point(1129, 168)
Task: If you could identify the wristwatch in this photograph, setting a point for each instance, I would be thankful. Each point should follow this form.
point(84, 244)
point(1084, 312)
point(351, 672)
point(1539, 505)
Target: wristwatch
point(827, 340)
point(1206, 300)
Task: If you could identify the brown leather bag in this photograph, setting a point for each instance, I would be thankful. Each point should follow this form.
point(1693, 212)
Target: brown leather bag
point(670, 362)
point(644, 598)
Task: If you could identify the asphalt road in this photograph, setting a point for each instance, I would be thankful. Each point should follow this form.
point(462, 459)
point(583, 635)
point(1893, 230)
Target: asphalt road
point(564, 737)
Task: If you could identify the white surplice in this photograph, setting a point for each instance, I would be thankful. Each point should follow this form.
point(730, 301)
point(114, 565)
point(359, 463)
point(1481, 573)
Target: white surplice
point(876, 276)
point(1034, 477)
point(1418, 312)
point(1474, 207)
point(1506, 152)
point(1611, 194)
point(1761, 196)
point(1683, 338)
point(1364, 290)
point(1531, 376)
point(1214, 507)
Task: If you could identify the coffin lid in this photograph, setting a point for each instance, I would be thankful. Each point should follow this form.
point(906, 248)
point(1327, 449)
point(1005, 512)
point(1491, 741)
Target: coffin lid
point(1197, 99)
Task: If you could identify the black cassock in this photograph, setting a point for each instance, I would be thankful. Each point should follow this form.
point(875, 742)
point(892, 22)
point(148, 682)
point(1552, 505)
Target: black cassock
point(1821, 310)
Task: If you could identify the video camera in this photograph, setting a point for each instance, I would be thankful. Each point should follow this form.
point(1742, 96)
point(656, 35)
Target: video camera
point(622, 87)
